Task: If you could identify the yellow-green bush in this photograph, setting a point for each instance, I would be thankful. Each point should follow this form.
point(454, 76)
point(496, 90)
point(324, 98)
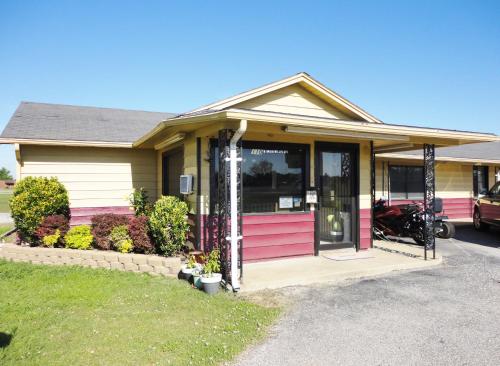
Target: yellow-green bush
point(34, 199)
point(120, 239)
point(51, 240)
point(79, 237)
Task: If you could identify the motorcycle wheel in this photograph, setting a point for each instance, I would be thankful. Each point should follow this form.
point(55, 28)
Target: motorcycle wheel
point(419, 238)
point(448, 230)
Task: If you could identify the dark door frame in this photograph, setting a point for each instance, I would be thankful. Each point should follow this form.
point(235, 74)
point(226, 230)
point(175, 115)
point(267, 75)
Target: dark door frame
point(320, 146)
point(165, 156)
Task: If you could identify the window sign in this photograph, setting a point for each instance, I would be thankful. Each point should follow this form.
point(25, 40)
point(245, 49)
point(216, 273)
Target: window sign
point(286, 202)
point(311, 196)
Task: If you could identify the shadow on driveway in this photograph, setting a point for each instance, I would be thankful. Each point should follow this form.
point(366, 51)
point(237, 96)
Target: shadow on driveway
point(465, 232)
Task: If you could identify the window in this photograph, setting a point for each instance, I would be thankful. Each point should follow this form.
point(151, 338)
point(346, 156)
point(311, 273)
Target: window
point(173, 166)
point(495, 190)
point(406, 182)
point(274, 176)
point(480, 183)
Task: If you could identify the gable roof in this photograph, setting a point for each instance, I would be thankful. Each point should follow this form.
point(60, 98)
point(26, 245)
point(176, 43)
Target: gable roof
point(57, 122)
point(480, 152)
point(303, 79)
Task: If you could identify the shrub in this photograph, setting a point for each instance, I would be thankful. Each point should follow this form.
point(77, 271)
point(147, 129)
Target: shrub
point(102, 225)
point(139, 200)
point(168, 224)
point(139, 233)
point(50, 225)
point(52, 239)
point(120, 239)
point(34, 199)
point(79, 237)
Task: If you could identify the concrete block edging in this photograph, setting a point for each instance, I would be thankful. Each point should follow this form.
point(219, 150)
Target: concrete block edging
point(132, 262)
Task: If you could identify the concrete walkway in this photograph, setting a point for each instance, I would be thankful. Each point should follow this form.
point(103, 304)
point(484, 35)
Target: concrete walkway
point(5, 218)
point(312, 270)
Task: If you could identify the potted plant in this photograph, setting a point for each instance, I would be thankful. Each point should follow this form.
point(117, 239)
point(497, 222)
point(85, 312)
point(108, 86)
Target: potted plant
point(211, 277)
point(188, 268)
point(336, 231)
point(197, 272)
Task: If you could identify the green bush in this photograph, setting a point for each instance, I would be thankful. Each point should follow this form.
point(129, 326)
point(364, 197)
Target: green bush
point(120, 239)
point(139, 200)
point(168, 224)
point(79, 237)
point(34, 199)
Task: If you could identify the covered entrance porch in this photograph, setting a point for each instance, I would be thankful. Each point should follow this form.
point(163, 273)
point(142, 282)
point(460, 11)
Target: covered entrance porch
point(286, 170)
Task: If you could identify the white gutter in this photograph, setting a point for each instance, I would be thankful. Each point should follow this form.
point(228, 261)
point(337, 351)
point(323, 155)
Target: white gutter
point(233, 160)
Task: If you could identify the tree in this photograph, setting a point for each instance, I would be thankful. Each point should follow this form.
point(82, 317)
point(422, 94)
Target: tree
point(5, 174)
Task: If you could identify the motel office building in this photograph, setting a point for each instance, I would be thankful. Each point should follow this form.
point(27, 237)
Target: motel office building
point(290, 162)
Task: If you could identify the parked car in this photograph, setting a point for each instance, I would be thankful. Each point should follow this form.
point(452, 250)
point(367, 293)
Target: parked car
point(487, 209)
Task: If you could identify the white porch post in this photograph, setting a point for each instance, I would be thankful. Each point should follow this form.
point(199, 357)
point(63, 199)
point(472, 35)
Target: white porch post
point(233, 157)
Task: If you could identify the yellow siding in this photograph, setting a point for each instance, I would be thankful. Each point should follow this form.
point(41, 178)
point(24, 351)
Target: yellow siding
point(454, 180)
point(94, 177)
point(190, 168)
point(293, 99)
point(364, 176)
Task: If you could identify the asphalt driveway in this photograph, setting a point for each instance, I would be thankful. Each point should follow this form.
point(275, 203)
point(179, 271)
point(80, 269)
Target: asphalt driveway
point(447, 315)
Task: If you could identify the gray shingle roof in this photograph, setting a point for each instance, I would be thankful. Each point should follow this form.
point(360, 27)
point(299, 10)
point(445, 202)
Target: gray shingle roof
point(481, 151)
point(44, 121)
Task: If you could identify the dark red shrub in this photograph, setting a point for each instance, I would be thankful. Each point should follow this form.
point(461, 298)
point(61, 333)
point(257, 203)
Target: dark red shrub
point(102, 226)
point(139, 233)
point(52, 223)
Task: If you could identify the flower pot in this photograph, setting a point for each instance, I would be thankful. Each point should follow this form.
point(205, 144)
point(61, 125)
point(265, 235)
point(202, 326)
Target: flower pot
point(211, 285)
point(197, 281)
point(337, 236)
point(188, 272)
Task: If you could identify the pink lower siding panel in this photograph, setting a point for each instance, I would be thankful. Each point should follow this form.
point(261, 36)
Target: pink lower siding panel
point(454, 208)
point(281, 235)
point(272, 236)
point(83, 215)
point(365, 228)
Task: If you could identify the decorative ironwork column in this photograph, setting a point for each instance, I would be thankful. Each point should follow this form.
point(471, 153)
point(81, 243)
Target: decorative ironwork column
point(429, 199)
point(224, 203)
point(372, 183)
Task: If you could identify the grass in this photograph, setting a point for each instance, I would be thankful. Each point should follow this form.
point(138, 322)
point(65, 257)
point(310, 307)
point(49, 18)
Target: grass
point(66, 315)
point(5, 228)
point(4, 200)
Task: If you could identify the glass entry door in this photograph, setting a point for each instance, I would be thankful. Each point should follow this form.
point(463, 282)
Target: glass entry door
point(336, 176)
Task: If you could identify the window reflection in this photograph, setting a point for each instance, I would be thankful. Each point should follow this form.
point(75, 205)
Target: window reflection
point(273, 176)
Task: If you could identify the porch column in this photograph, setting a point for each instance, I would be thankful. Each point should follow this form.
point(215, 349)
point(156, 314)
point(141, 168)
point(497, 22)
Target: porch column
point(429, 198)
point(229, 205)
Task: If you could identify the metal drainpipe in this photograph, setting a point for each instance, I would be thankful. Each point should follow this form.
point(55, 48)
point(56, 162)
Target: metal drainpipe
point(233, 157)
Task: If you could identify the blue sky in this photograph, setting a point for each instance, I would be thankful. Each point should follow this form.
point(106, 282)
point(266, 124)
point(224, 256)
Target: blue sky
point(426, 63)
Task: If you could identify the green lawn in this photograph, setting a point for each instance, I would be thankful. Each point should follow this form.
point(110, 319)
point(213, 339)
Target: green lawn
point(4, 228)
point(77, 316)
point(4, 201)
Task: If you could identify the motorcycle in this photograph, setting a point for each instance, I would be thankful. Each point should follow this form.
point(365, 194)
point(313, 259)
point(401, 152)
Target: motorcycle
point(408, 221)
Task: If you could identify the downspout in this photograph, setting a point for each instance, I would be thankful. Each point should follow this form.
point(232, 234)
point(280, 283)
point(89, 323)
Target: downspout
point(233, 157)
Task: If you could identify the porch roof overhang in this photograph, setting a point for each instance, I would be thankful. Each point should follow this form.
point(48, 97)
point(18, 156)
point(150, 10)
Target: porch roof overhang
point(386, 137)
point(403, 156)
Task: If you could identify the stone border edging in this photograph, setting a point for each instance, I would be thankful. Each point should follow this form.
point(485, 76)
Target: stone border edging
point(153, 264)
